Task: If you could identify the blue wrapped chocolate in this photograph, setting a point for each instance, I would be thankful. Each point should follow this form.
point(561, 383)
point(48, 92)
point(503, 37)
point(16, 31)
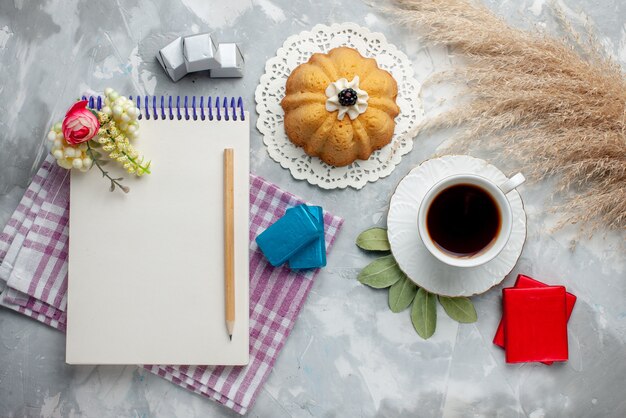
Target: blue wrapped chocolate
point(294, 231)
point(314, 254)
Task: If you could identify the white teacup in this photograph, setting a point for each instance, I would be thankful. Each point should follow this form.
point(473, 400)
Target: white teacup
point(497, 193)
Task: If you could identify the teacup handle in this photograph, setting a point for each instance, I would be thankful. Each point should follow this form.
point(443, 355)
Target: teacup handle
point(512, 183)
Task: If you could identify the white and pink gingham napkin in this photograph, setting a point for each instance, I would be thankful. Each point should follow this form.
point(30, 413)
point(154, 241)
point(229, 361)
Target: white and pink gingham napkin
point(33, 274)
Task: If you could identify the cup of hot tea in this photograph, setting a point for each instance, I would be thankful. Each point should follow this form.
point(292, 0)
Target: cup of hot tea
point(465, 220)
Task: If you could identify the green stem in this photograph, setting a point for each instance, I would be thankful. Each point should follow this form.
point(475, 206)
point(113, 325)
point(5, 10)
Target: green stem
point(104, 173)
point(132, 160)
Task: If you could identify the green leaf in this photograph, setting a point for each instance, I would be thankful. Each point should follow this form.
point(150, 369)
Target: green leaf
point(401, 294)
point(461, 309)
point(381, 273)
point(424, 313)
point(373, 239)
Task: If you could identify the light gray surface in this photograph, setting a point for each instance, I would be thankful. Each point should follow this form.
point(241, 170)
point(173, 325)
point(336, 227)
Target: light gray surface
point(348, 354)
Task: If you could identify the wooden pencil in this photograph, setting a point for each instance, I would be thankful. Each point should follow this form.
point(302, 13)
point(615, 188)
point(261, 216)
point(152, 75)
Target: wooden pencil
point(229, 241)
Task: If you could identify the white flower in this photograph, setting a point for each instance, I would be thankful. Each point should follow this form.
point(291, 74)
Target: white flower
point(332, 103)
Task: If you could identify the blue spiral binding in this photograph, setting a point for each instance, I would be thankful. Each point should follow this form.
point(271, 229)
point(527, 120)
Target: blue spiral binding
point(147, 109)
point(240, 106)
point(232, 106)
point(225, 106)
point(221, 107)
point(138, 104)
point(93, 102)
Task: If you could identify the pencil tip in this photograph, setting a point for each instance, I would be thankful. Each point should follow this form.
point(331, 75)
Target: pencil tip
point(231, 337)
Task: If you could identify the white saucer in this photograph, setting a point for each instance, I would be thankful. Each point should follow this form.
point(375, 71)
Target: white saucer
point(411, 254)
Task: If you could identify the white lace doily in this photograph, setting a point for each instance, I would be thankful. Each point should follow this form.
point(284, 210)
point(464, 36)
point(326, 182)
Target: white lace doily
point(297, 50)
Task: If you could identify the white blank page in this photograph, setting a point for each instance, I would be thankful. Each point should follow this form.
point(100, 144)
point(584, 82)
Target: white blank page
point(146, 269)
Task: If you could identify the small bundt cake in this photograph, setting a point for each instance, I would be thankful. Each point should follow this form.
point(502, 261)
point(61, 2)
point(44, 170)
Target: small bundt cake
point(323, 91)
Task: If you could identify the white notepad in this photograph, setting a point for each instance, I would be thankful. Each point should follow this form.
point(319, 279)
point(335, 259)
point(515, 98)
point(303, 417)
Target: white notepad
point(146, 269)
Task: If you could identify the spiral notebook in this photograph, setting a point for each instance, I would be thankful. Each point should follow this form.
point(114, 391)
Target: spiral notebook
point(146, 269)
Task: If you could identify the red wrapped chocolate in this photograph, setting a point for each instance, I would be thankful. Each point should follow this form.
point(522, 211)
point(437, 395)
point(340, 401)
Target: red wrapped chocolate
point(535, 324)
point(528, 282)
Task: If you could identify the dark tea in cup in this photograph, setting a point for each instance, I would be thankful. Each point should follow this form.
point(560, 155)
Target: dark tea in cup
point(463, 220)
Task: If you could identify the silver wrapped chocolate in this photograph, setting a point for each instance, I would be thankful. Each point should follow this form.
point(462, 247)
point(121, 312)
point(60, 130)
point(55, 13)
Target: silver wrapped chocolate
point(199, 51)
point(231, 62)
point(172, 60)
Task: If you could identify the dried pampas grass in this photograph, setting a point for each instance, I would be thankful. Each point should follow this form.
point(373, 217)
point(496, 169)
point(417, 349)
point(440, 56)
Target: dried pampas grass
point(557, 106)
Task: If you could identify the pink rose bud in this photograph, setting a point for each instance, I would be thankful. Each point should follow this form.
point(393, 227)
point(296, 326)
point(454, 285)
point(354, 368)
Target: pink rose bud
point(80, 124)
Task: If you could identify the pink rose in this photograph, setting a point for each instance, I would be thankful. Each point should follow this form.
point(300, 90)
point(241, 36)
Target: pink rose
point(80, 124)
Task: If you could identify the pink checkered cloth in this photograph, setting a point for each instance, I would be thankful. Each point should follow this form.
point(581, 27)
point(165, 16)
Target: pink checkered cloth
point(33, 274)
